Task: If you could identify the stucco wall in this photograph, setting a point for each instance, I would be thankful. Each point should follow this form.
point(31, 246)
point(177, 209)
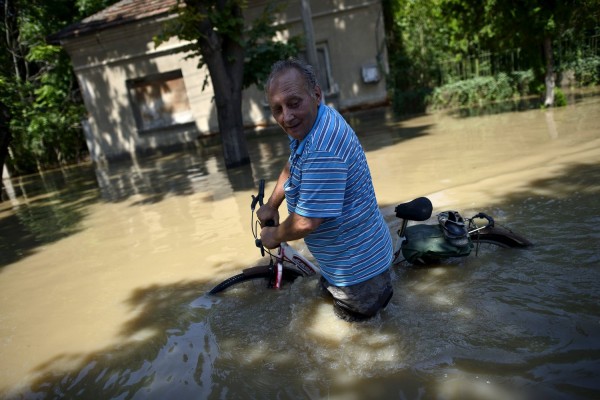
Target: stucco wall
point(104, 61)
point(354, 35)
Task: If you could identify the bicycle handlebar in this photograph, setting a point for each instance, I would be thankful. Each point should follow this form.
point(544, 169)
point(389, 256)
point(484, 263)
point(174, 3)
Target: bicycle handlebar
point(489, 219)
point(259, 198)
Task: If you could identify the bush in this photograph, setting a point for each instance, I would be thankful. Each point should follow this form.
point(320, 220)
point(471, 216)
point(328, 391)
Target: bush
point(587, 71)
point(560, 100)
point(482, 90)
point(523, 81)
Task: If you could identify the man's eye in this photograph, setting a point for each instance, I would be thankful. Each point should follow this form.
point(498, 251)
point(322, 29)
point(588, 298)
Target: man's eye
point(294, 104)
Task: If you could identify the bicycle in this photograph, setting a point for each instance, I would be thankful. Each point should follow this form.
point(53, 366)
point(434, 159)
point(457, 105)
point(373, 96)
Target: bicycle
point(286, 263)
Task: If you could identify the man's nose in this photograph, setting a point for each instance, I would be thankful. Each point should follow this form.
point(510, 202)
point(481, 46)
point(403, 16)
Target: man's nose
point(287, 115)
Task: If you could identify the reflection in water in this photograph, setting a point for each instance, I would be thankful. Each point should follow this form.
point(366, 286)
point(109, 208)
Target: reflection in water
point(103, 274)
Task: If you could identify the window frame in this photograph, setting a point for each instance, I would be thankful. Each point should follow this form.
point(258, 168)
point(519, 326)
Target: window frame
point(133, 86)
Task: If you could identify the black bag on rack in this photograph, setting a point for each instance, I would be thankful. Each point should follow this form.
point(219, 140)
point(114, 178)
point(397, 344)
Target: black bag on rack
point(426, 244)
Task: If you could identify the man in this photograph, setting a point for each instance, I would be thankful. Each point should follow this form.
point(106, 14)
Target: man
point(330, 197)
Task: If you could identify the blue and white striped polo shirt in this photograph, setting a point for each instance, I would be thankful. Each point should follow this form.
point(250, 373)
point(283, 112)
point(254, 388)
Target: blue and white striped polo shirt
point(330, 179)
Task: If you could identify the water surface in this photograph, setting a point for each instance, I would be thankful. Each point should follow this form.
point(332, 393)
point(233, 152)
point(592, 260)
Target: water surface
point(103, 274)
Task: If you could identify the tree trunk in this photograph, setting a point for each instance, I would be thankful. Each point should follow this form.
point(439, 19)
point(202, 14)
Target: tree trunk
point(224, 58)
point(550, 76)
point(5, 137)
point(229, 115)
point(228, 99)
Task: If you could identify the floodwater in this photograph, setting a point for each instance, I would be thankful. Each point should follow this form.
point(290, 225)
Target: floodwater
point(104, 274)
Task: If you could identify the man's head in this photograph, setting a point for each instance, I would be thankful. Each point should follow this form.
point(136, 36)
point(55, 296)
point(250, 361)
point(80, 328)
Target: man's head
point(294, 96)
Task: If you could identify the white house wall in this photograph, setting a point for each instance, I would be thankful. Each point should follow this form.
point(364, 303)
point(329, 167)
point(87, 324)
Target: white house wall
point(354, 33)
point(105, 60)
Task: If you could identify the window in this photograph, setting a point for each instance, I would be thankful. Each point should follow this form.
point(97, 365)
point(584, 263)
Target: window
point(159, 101)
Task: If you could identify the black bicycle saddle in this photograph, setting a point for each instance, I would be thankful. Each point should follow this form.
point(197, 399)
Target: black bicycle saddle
point(418, 209)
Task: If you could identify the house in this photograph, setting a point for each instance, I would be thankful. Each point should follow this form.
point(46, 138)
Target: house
point(140, 97)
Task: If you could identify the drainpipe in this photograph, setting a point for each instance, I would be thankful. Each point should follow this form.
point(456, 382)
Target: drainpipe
point(309, 35)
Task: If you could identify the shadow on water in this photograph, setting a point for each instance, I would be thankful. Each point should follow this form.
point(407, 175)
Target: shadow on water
point(54, 207)
point(182, 344)
point(121, 370)
point(49, 207)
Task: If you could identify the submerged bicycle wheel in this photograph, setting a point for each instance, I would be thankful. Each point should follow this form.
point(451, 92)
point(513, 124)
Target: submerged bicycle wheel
point(262, 272)
point(500, 237)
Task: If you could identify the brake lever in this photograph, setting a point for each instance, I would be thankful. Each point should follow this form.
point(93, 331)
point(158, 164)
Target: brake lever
point(258, 243)
point(259, 198)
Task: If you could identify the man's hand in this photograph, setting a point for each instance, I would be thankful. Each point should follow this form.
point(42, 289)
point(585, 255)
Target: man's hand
point(267, 213)
point(267, 237)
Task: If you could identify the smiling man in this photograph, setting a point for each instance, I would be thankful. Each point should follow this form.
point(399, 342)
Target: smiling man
point(329, 194)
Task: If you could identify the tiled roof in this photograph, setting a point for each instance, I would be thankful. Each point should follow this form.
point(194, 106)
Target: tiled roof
point(119, 13)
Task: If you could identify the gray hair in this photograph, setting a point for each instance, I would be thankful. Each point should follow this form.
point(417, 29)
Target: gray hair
point(306, 70)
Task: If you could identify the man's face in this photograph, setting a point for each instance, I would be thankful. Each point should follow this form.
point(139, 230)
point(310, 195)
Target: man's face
point(292, 105)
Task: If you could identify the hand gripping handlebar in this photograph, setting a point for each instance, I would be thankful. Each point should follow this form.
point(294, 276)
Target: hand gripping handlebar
point(259, 198)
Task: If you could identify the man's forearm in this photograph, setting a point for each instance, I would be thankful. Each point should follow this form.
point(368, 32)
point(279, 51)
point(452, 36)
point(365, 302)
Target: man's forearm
point(293, 228)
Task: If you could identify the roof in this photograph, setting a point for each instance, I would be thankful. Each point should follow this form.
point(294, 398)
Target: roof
point(123, 12)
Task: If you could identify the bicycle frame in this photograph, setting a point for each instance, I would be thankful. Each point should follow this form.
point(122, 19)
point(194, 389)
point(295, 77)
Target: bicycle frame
point(286, 263)
point(287, 254)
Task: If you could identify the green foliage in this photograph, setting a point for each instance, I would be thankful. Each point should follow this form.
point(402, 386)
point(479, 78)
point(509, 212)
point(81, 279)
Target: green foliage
point(560, 100)
point(435, 42)
point(417, 39)
point(523, 81)
point(45, 124)
point(89, 7)
point(38, 85)
point(262, 51)
point(258, 40)
point(481, 90)
point(586, 70)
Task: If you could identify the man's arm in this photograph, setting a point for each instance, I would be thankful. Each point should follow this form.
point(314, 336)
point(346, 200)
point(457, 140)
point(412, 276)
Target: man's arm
point(293, 228)
point(278, 194)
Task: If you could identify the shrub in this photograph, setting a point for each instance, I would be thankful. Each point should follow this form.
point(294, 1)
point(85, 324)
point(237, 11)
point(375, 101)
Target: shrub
point(560, 100)
point(482, 90)
point(587, 71)
point(523, 81)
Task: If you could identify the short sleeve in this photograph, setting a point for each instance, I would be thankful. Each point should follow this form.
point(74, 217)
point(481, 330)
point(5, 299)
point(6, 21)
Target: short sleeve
point(324, 178)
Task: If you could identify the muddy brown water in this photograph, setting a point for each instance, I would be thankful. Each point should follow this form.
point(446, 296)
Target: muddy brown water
point(103, 274)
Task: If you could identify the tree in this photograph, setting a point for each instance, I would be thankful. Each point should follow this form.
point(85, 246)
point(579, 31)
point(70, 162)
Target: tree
point(37, 84)
point(416, 38)
point(5, 137)
point(533, 26)
point(425, 37)
point(236, 58)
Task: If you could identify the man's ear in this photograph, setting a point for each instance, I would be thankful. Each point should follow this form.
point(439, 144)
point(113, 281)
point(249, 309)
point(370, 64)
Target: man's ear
point(318, 94)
